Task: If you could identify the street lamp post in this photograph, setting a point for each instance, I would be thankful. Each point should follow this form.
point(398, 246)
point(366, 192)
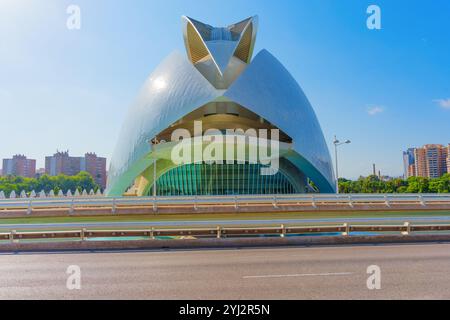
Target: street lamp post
point(153, 144)
point(154, 178)
point(338, 143)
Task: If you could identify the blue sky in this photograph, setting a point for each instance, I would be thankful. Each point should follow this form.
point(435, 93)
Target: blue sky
point(386, 90)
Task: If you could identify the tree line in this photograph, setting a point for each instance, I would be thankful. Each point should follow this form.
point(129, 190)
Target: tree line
point(81, 181)
point(373, 184)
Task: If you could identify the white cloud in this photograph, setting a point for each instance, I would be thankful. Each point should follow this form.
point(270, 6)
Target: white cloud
point(373, 111)
point(443, 103)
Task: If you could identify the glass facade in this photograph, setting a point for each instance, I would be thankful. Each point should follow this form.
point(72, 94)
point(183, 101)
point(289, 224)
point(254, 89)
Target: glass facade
point(221, 179)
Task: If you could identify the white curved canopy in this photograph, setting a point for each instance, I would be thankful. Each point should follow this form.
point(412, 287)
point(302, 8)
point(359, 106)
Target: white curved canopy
point(177, 87)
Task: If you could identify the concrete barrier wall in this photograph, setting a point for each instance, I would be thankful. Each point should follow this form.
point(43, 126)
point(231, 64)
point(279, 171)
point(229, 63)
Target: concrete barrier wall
point(220, 243)
point(54, 206)
point(211, 209)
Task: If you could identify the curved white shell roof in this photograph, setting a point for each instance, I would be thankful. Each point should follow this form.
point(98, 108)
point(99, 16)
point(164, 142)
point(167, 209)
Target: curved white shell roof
point(177, 88)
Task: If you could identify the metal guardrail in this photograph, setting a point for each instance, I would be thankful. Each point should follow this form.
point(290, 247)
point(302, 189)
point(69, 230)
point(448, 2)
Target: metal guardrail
point(220, 232)
point(195, 202)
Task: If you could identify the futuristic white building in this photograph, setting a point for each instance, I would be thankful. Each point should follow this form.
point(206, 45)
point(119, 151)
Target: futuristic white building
point(221, 86)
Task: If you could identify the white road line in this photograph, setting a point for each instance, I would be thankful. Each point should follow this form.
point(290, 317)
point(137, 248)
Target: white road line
point(299, 275)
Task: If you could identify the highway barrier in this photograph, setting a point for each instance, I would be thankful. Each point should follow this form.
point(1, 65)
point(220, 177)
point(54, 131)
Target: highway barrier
point(222, 232)
point(192, 204)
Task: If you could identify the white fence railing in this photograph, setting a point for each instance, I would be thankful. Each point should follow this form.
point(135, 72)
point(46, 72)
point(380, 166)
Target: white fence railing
point(42, 194)
point(223, 232)
point(350, 200)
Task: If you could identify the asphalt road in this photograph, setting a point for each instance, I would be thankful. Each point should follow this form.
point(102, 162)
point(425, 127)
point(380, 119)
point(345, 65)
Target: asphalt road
point(407, 272)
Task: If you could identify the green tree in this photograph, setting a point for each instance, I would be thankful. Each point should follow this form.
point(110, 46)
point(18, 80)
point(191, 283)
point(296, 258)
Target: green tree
point(440, 185)
point(417, 185)
point(81, 181)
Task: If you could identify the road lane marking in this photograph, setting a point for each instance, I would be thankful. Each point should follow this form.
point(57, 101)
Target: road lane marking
point(300, 275)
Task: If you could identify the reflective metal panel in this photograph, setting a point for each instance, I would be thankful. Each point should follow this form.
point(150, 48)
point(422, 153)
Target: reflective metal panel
point(269, 90)
point(174, 89)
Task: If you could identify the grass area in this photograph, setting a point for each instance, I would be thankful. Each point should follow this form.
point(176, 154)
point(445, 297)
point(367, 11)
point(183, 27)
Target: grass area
point(219, 216)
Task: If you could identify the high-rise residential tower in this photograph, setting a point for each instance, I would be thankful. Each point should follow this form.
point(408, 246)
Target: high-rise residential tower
point(448, 158)
point(430, 161)
point(96, 166)
point(408, 163)
point(63, 163)
point(19, 165)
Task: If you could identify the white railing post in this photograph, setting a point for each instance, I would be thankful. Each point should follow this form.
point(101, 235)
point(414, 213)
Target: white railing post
point(30, 207)
point(155, 206)
point(283, 231)
point(386, 201)
point(235, 202)
point(422, 201)
point(195, 203)
point(113, 207)
point(347, 230)
point(408, 228)
point(350, 203)
point(219, 232)
point(12, 237)
point(152, 233)
point(275, 205)
point(71, 209)
point(313, 202)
